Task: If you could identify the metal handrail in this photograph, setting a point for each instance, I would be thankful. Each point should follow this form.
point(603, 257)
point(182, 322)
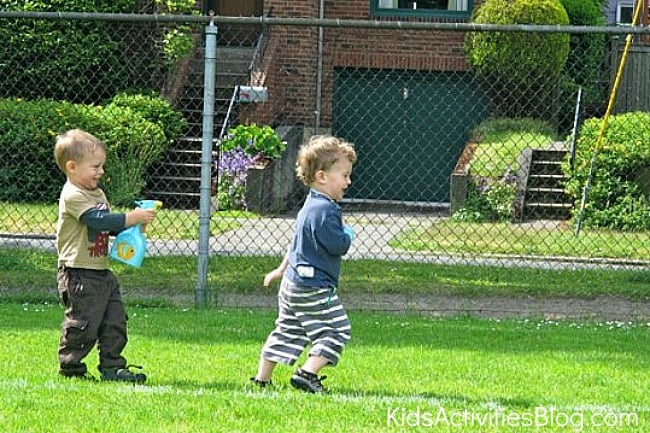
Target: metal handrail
point(260, 44)
point(226, 120)
point(260, 48)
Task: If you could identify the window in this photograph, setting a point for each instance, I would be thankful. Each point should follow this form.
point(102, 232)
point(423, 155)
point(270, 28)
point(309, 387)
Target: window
point(624, 11)
point(423, 8)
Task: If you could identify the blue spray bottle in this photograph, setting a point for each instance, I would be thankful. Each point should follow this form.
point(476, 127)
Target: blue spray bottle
point(130, 245)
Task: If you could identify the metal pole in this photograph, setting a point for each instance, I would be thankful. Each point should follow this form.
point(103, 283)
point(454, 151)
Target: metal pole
point(330, 23)
point(319, 68)
point(206, 161)
point(576, 126)
point(603, 127)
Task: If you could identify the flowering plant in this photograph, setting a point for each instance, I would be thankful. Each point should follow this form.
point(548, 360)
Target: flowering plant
point(254, 140)
point(244, 147)
point(231, 175)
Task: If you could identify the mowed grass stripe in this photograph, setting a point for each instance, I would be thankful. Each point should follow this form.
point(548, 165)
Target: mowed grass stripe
point(199, 362)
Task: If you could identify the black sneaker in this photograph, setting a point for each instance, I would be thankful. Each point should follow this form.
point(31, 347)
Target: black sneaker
point(308, 382)
point(260, 383)
point(123, 375)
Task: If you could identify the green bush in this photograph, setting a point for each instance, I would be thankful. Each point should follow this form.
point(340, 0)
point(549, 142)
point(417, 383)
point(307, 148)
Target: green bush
point(114, 6)
point(618, 197)
point(77, 61)
point(155, 109)
point(520, 70)
point(488, 200)
point(177, 40)
point(27, 132)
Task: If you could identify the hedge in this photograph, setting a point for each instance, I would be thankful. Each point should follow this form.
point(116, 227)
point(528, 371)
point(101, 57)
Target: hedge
point(77, 61)
point(619, 193)
point(28, 130)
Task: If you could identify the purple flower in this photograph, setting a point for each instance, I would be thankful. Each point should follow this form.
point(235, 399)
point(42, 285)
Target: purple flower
point(231, 171)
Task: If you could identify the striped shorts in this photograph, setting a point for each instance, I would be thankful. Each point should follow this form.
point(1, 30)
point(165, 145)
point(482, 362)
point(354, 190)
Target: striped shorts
point(307, 315)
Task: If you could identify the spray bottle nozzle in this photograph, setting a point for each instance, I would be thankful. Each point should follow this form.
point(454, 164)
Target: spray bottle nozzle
point(149, 204)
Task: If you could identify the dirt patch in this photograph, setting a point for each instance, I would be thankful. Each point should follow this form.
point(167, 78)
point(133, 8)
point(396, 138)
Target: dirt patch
point(603, 308)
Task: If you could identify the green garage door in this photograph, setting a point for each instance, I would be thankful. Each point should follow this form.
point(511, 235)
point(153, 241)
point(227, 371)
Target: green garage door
point(408, 127)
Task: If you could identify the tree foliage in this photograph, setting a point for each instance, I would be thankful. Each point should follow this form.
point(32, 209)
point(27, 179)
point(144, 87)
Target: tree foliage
point(520, 69)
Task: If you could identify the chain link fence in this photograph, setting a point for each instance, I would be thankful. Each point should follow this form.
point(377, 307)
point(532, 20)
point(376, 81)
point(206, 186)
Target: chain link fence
point(481, 148)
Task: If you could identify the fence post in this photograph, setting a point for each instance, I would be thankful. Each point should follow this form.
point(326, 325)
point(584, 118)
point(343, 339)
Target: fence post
point(206, 162)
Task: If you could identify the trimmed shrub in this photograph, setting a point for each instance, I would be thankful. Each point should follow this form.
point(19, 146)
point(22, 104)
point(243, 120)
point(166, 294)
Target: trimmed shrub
point(520, 70)
point(27, 132)
point(618, 197)
point(155, 109)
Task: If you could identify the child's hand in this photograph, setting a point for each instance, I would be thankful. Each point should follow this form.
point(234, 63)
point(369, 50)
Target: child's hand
point(139, 216)
point(276, 273)
point(350, 232)
point(272, 276)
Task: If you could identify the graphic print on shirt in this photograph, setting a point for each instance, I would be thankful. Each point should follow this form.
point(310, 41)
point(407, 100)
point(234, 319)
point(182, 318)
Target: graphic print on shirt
point(99, 239)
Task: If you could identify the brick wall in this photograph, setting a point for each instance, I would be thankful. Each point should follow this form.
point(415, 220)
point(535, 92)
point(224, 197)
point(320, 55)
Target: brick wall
point(291, 78)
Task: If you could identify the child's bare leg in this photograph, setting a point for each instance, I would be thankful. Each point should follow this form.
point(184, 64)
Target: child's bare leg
point(265, 370)
point(314, 364)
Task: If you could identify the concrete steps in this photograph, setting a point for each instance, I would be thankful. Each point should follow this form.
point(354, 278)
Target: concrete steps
point(177, 179)
point(540, 180)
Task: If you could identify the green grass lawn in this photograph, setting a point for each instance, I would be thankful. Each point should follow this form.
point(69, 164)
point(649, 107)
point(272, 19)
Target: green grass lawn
point(30, 275)
point(399, 373)
point(169, 224)
point(446, 237)
point(498, 152)
point(509, 239)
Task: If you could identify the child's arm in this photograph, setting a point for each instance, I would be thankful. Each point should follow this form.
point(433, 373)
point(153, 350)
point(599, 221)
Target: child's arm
point(277, 272)
point(104, 221)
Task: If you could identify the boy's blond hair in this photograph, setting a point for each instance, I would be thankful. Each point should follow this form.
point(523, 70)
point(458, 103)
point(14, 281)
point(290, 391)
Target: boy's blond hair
point(74, 145)
point(321, 153)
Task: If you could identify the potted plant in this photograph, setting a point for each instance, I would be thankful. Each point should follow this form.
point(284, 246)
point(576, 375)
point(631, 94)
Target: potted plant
point(246, 149)
point(259, 142)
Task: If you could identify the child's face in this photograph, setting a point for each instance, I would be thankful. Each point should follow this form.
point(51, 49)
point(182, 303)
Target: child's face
point(86, 173)
point(335, 181)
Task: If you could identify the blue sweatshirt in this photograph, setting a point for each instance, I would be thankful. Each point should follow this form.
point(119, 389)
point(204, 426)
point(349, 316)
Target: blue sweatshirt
point(318, 243)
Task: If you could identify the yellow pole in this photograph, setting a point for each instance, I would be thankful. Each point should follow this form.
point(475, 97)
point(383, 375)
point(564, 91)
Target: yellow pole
point(610, 105)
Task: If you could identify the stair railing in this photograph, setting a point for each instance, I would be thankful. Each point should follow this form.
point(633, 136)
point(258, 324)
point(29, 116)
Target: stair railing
point(226, 121)
point(258, 54)
point(576, 126)
point(260, 45)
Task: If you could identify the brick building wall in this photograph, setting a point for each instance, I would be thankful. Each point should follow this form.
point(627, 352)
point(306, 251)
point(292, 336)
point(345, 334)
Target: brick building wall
point(292, 74)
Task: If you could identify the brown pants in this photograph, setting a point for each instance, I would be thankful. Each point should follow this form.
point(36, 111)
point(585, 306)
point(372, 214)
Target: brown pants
point(94, 313)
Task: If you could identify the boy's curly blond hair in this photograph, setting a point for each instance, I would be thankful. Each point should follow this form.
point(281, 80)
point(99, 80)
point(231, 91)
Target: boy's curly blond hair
point(321, 153)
